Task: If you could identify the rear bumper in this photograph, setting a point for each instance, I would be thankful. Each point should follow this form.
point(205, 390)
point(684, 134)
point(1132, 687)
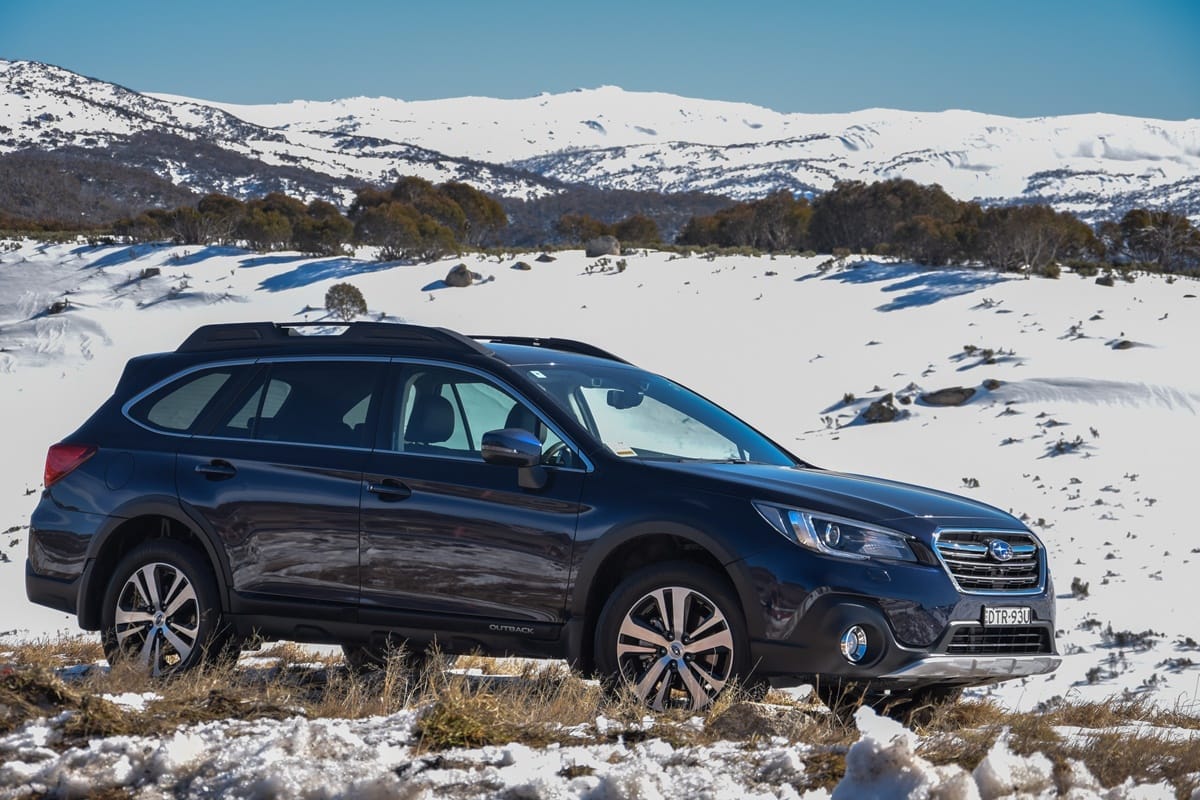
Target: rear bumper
point(57, 593)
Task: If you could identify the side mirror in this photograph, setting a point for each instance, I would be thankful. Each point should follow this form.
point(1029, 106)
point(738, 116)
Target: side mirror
point(511, 447)
point(514, 447)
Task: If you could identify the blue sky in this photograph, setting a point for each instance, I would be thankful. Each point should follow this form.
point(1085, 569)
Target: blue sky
point(1016, 57)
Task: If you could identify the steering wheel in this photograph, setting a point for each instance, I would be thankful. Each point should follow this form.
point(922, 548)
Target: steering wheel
point(556, 454)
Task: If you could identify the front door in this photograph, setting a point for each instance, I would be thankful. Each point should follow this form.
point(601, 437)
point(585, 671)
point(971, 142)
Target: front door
point(445, 534)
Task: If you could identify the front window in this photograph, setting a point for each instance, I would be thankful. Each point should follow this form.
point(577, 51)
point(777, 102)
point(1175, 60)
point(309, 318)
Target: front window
point(638, 414)
point(444, 411)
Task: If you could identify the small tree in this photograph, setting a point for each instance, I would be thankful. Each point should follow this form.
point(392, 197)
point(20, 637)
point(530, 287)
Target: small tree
point(638, 230)
point(345, 301)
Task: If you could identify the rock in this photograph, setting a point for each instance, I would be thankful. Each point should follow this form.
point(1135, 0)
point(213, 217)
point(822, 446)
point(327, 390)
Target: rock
point(602, 246)
point(1123, 344)
point(460, 275)
point(522, 265)
point(58, 306)
point(882, 410)
point(991, 384)
point(743, 721)
point(1105, 280)
point(952, 396)
point(546, 258)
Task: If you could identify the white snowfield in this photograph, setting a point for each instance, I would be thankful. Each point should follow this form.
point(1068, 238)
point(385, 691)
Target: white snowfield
point(1090, 436)
point(1092, 164)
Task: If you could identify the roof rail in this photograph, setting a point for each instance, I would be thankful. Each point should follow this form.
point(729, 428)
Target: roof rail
point(551, 343)
point(239, 335)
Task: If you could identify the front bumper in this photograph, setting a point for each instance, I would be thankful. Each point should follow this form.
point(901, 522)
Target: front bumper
point(921, 630)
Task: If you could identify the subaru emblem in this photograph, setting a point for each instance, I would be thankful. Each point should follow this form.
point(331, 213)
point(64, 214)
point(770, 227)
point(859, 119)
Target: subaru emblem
point(1000, 550)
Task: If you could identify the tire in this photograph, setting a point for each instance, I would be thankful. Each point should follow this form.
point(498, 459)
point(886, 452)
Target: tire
point(365, 659)
point(635, 645)
point(161, 610)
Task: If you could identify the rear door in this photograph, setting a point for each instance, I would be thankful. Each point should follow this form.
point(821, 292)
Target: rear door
point(451, 537)
point(278, 477)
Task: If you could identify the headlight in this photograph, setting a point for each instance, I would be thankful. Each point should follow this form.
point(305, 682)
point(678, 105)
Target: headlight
point(836, 536)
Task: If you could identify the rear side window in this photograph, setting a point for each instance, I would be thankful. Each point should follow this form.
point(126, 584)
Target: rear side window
point(306, 402)
point(177, 406)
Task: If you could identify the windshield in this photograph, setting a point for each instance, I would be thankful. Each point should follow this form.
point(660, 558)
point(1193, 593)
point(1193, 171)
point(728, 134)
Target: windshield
point(638, 414)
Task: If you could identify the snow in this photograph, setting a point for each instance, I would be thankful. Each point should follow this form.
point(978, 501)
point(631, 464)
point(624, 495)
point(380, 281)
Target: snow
point(381, 757)
point(883, 764)
point(781, 350)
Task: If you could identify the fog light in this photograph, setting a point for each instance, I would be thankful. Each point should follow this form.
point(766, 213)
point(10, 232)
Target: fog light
point(854, 644)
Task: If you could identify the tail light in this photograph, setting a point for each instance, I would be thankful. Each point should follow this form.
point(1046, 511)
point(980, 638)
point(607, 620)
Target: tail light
point(63, 459)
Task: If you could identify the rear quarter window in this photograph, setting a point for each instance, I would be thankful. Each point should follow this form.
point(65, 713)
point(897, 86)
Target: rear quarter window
point(177, 406)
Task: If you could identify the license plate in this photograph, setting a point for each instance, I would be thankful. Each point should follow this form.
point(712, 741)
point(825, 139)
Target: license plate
point(1007, 615)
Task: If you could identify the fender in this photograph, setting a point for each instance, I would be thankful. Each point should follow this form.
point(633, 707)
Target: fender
point(600, 549)
point(152, 505)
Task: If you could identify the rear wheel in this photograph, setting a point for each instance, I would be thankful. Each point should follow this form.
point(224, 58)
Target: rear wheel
point(161, 610)
point(674, 634)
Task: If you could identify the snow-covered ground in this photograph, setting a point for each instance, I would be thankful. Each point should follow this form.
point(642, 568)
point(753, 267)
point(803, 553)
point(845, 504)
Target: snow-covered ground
point(1090, 435)
point(376, 758)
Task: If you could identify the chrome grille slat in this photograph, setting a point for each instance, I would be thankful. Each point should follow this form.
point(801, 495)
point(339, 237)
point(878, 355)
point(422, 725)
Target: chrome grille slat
point(965, 554)
point(1024, 562)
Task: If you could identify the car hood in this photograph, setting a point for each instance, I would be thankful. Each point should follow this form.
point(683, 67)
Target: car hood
point(860, 497)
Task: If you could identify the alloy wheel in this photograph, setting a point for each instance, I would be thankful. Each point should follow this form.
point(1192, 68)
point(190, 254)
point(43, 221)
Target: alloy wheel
point(675, 649)
point(157, 617)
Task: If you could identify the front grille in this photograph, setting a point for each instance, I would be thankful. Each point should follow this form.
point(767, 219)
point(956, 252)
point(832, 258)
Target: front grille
point(976, 640)
point(969, 558)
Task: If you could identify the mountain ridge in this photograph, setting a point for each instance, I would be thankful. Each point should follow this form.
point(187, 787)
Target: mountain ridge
point(1096, 165)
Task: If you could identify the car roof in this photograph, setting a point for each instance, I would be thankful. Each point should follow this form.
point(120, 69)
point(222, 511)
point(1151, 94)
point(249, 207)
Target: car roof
point(389, 338)
point(518, 355)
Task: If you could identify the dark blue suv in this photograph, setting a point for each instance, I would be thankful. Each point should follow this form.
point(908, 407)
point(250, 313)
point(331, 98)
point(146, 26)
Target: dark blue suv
point(510, 495)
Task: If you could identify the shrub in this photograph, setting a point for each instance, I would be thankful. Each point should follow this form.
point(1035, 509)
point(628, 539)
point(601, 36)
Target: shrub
point(345, 301)
point(1084, 269)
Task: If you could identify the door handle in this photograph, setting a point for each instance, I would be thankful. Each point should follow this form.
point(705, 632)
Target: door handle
point(217, 470)
point(389, 490)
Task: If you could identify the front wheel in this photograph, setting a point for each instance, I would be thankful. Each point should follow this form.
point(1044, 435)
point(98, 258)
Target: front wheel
point(674, 634)
point(161, 609)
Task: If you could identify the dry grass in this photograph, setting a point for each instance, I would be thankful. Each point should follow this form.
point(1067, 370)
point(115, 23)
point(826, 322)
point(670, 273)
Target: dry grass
point(53, 652)
point(537, 703)
point(1118, 739)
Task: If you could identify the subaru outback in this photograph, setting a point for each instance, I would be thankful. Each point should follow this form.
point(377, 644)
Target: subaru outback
point(507, 495)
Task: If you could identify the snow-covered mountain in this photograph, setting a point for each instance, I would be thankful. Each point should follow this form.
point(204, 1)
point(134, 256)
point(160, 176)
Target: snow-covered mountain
point(205, 148)
point(1096, 165)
